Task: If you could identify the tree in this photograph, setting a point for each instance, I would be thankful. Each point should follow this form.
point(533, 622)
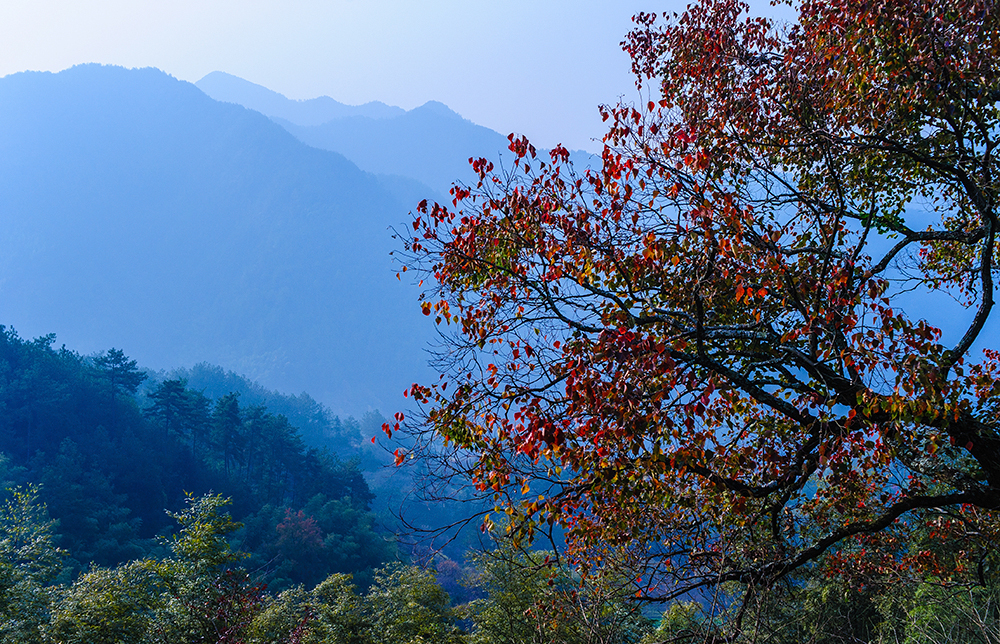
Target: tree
point(229, 430)
point(340, 613)
point(533, 598)
point(123, 375)
point(706, 355)
point(207, 599)
point(407, 605)
point(108, 606)
point(181, 411)
point(29, 562)
point(196, 595)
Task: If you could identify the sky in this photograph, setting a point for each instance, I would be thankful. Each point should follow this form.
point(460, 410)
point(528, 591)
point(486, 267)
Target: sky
point(538, 68)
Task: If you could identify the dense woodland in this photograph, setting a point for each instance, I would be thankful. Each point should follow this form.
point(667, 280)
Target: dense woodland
point(118, 524)
point(196, 588)
point(109, 463)
point(147, 509)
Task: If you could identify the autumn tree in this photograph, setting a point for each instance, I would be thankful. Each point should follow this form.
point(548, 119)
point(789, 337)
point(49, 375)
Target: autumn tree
point(756, 339)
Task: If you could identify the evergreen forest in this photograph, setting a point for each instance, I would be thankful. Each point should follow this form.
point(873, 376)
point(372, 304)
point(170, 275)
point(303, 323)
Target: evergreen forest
point(108, 462)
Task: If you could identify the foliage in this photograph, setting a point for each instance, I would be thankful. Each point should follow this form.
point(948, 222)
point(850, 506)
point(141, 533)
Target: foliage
point(179, 410)
point(123, 375)
point(107, 464)
point(193, 596)
point(29, 562)
point(108, 606)
point(706, 355)
point(683, 621)
point(886, 606)
point(936, 614)
point(95, 523)
point(317, 425)
point(532, 598)
point(203, 537)
point(196, 592)
point(339, 613)
point(407, 606)
point(325, 536)
point(282, 618)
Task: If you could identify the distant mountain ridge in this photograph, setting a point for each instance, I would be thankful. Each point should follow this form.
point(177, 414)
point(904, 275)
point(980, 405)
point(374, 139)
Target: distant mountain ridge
point(430, 144)
point(424, 144)
point(137, 212)
point(315, 111)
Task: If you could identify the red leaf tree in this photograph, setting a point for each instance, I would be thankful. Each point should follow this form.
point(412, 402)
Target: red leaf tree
point(751, 341)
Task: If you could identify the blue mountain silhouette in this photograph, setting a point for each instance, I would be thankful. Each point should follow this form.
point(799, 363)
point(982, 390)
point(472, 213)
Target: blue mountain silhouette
point(139, 213)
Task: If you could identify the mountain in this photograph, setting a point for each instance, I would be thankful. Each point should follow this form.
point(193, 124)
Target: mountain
point(139, 213)
point(232, 89)
point(430, 144)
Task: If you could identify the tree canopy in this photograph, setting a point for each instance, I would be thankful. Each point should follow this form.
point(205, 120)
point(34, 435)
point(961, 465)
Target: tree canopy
point(756, 339)
point(106, 465)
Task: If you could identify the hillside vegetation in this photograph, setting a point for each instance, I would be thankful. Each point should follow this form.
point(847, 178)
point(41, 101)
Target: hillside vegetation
point(107, 467)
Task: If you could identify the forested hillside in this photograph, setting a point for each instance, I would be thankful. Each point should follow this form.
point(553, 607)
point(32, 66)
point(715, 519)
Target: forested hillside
point(359, 440)
point(316, 424)
point(264, 539)
point(108, 466)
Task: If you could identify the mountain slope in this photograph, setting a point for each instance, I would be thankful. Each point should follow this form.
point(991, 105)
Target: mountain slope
point(138, 212)
point(431, 144)
point(232, 89)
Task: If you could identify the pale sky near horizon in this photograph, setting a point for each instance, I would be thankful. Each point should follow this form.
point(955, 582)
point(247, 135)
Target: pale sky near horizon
point(537, 68)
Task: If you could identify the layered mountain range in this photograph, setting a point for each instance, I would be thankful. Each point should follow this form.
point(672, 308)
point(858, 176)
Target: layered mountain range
point(430, 144)
point(138, 212)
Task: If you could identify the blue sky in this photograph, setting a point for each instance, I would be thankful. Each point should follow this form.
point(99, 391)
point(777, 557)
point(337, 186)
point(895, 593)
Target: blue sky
point(538, 68)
